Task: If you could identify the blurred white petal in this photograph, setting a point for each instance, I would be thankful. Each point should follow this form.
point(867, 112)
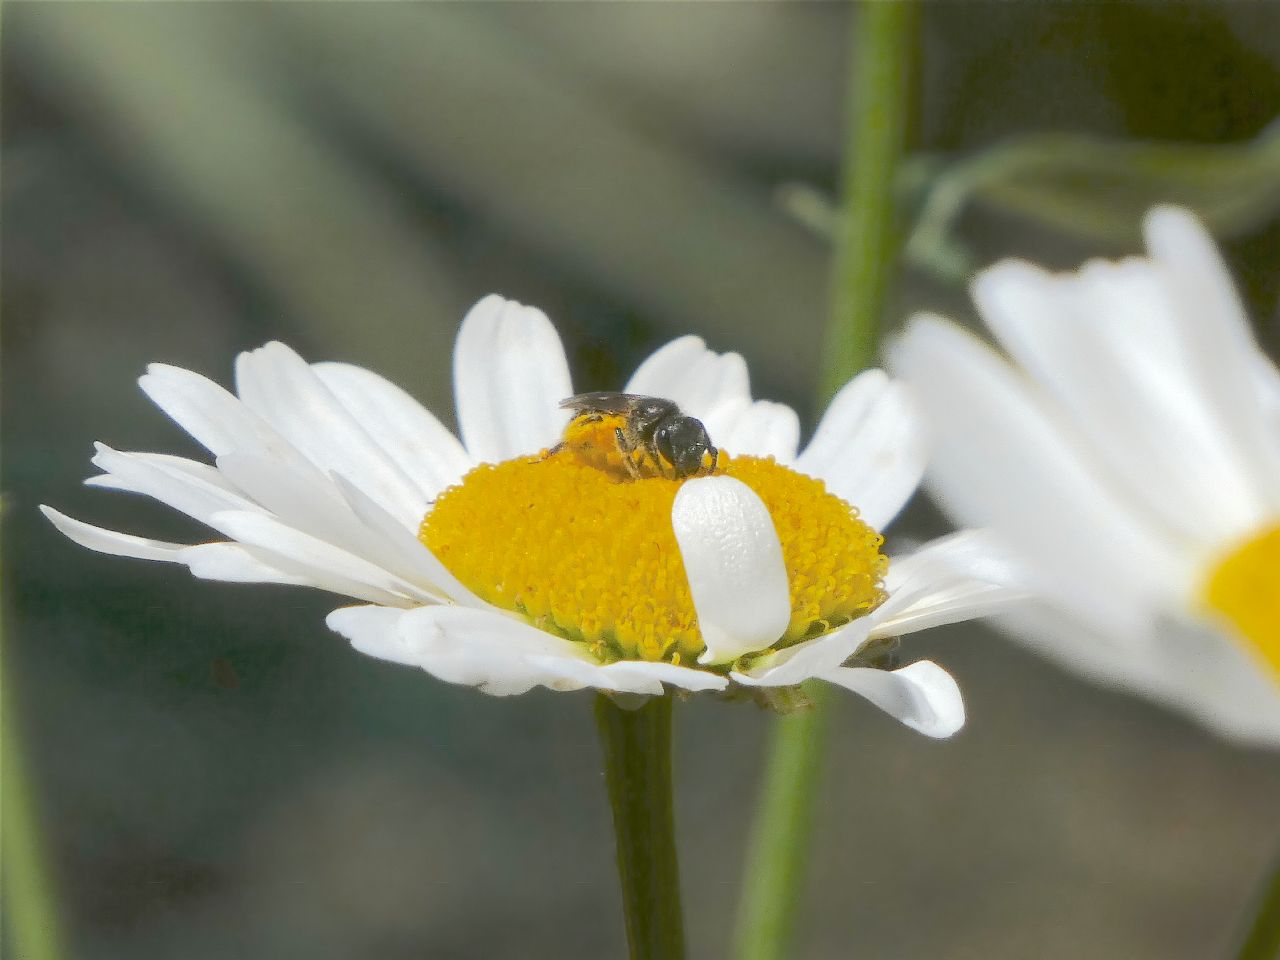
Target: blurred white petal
point(1109, 345)
point(1000, 459)
point(1133, 445)
point(1220, 341)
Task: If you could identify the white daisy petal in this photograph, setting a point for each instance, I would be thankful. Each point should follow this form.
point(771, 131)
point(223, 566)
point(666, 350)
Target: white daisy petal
point(408, 434)
point(760, 428)
point(1108, 345)
point(187, 491)
point(965, 602)
point(632, 675)
point(302, 498)
point(336, 512)
point(238, 563)
point(698, 380)
point(504, 656)
point(112, 542)
point(812, 658)
point(283, 389)
point(209, 561)
point(964, 575)
point(405, 554)
point(213, 416)
point(375, 631)
point(509, 375)
point(922, 695)
point(954, 578)
point(1268, 387)
point(1220, 341)
point(201, 471)
point(500, 655)
point(339, 570)
point(734, 564)
point(1001, 459)
point(849, 409)
point(568, 673)
point(868, 448)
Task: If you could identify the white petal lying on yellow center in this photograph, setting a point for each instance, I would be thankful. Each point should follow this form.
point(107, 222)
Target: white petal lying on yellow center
point(733, 560)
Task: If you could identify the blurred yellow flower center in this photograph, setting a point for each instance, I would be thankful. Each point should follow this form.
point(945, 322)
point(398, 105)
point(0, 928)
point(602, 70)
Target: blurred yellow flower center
point(595, 560)
point(1245, 589)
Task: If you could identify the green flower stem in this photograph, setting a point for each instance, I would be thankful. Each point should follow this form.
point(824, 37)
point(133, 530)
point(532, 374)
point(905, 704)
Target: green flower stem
point(881, 100)
point(637, 762)
point(31, 920)
point(779, 842)
point(1261, 940)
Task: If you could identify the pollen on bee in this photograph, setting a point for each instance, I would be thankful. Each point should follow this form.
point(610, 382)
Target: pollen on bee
point(593, 442)
point(559, 540)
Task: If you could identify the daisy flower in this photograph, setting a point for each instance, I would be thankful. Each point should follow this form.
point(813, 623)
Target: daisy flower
point(500, 560)
point(1127, 456)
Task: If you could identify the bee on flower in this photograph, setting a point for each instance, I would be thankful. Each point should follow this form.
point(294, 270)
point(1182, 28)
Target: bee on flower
point(633, 437)
point(672, 535)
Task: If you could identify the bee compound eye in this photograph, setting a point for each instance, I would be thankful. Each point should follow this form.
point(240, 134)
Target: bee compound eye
point(683, 441)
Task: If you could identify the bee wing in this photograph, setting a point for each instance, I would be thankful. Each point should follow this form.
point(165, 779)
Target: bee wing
point(601, 401)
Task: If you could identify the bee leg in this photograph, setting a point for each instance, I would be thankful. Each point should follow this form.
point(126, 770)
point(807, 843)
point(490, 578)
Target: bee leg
point(627, 450)
point(548, 453)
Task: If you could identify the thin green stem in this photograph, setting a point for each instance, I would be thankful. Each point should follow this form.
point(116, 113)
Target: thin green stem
point(881, 100)
point(1262, 938)
point(637, 761)
point(777, 855)
point(32, 930)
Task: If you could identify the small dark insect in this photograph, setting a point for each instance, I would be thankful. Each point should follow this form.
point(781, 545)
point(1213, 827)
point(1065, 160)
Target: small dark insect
point(637, 437)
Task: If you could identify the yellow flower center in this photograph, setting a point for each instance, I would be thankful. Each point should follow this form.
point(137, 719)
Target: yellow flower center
point(587, 557)
point(1244, 588)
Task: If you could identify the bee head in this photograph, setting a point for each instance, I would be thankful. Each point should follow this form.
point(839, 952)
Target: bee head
point(683, 442)
point(648, 413)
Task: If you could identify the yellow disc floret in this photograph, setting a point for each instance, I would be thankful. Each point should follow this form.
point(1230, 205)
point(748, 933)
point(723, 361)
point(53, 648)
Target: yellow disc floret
point(1244, 588)
point(589, 558)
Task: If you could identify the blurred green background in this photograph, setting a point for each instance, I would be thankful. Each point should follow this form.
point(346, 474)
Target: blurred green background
point(219, 776)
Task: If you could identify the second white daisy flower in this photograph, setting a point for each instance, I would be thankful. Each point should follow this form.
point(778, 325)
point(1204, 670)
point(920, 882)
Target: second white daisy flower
point(1127, 455)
